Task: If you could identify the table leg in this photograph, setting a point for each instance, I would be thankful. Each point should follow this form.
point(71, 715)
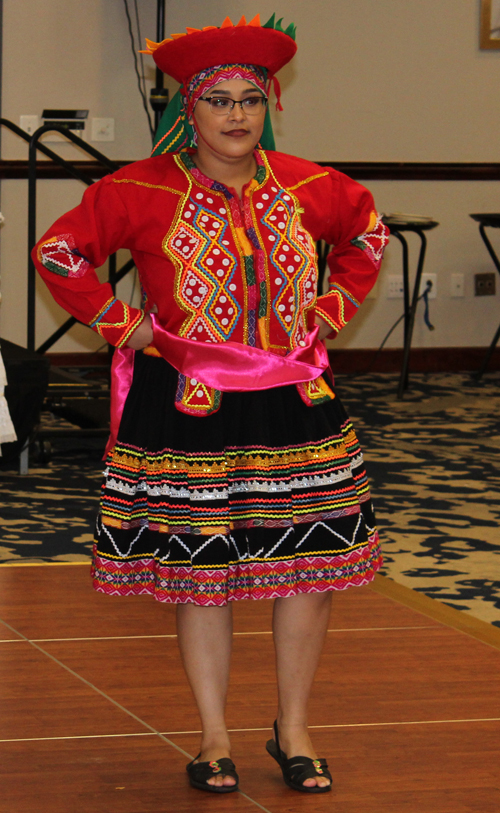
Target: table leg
point(488, 355)
point(496, 337)
point(491, 250)
point(406, 279)
point(403, 379)
point(24, 458)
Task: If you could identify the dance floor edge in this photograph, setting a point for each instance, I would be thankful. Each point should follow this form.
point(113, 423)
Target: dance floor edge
point(405, 707)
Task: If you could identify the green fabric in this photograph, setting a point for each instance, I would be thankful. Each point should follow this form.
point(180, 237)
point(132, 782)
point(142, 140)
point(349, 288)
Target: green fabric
point(181, 134)
point(187, 161)
point(267, 138)
point(291, 31)
point(249, 270)
point(174, 122)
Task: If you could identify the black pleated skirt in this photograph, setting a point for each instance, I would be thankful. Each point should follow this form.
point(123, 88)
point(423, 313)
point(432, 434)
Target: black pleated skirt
point(265, 498)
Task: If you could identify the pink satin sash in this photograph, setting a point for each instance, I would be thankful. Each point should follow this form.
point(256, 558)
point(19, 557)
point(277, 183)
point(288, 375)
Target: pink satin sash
point(228, 366)
point(122, 373)
point(235, 367)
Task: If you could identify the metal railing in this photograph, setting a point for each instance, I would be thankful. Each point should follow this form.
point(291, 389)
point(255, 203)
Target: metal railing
point(35, 146)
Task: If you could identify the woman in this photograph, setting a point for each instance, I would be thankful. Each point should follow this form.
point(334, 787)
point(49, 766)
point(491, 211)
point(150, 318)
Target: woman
point(232, 469)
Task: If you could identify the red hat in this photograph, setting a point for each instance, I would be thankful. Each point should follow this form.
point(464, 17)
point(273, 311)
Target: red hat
point(183, 55)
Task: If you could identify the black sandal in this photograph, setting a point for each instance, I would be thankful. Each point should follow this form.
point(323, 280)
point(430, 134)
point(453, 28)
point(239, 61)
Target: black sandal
point(296, 769)
point(200, 772)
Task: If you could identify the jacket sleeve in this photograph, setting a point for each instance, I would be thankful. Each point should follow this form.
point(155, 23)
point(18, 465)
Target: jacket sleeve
point(76, 244)
point(358, 237)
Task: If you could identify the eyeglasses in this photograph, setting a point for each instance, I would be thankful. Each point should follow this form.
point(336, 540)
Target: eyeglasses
point(221, 105)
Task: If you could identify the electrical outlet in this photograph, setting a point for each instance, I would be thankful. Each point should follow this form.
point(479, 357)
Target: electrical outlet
point(395, 288)
point(457, 285)
point(432, 278)
point(484, 284)
point(59, 138)
point(29, 124)
point(103, 130)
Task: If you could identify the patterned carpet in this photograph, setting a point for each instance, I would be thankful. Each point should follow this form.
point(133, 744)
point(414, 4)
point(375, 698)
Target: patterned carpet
point(48, 515)
point(433, 460)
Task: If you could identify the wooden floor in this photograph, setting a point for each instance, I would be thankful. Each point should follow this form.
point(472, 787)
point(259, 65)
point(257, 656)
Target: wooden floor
point(95, 715)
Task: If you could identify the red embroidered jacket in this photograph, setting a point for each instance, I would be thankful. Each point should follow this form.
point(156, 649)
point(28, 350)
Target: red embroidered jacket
point(218, 268)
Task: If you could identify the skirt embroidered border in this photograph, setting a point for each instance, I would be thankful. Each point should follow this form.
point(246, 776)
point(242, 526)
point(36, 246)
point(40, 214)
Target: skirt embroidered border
point(211, 586)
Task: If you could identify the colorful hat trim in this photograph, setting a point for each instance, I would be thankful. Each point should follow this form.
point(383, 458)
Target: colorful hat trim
point(202, 82)
point(183, 55)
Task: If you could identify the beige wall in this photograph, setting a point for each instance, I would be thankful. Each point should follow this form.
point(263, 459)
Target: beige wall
point(73, 54)
point(374, 80)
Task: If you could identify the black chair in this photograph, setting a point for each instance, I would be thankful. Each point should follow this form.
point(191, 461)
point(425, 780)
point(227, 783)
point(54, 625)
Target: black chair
point(492, 221)
point(27, 382)
point(397, 225)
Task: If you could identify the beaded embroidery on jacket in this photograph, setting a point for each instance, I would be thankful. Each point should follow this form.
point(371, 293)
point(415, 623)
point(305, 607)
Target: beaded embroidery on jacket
point(216, 242)
point(60, 255)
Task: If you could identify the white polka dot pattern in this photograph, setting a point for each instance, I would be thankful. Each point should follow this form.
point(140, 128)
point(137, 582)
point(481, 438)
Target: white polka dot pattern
point(211, 272)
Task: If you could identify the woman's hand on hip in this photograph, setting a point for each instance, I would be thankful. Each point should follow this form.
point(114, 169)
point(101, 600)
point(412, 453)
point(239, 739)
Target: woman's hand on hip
point(143, 336)
point(324, 328)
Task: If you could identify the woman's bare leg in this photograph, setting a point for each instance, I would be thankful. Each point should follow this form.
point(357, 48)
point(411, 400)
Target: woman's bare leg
point(299, 626)
point(205, 638)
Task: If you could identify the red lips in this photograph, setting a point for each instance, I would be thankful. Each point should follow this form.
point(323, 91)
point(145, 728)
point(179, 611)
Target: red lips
point(236, 133)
